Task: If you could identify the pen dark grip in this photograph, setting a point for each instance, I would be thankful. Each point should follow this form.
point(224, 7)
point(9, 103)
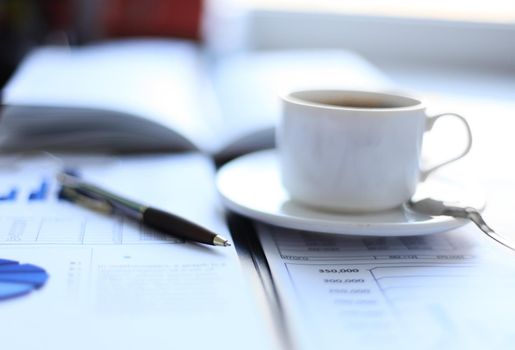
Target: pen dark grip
point(177, 226)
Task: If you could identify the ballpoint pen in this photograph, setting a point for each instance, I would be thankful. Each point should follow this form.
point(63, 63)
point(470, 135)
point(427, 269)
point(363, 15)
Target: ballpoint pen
point(91, 196)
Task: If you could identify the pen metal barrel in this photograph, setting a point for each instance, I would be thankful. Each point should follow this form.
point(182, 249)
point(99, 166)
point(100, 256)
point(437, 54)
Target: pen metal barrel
point(98, 198)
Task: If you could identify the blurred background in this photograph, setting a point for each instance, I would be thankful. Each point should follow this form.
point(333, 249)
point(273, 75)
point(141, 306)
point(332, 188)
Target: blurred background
point(477, 34)
point(28, 23)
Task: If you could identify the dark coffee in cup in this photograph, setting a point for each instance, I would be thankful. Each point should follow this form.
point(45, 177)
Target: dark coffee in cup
point(371, 101)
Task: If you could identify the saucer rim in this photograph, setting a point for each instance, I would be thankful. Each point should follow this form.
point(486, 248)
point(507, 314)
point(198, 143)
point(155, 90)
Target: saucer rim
point(434, 224)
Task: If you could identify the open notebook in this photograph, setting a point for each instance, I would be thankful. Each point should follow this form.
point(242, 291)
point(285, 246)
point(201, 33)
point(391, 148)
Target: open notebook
point(141, 95)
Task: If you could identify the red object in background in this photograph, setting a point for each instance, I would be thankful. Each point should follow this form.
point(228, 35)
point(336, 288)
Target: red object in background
point(177, 18)
point(59, 14)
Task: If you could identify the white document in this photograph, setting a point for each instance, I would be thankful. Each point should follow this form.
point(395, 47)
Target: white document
point(113, 283)
point(444, 291)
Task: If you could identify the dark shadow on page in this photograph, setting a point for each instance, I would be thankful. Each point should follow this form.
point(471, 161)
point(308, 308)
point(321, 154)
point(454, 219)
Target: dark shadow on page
point(250, 252)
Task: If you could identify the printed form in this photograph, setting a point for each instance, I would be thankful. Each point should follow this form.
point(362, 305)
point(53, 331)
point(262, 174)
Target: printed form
point(114, 283)
point(452, 290)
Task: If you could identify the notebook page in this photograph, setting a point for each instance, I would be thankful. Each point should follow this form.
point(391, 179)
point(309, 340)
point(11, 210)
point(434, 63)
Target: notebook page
point(114, 283)
point(452, 290)
point(161, 81)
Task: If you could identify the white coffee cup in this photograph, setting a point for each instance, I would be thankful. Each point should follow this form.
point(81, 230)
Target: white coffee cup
point(354, 151)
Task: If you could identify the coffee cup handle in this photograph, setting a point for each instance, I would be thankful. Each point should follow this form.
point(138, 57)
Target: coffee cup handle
point(430, 123)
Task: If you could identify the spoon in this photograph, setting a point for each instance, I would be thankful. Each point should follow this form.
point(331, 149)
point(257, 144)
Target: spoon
point(435, 207)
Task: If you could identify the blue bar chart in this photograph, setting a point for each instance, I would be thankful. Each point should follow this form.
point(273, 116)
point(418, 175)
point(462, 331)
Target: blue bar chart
point(41, 192)
point(37, 191)
point(9, 196)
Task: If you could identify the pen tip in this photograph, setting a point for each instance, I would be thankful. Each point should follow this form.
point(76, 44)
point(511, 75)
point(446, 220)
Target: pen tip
point(220, 241)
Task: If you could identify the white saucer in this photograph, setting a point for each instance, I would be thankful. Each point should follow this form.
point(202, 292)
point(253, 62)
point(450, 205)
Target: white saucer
point(250, 185)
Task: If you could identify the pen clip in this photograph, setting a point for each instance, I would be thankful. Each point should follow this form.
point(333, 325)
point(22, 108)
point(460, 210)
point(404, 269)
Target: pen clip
point(96, 204)
point(115, 202)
